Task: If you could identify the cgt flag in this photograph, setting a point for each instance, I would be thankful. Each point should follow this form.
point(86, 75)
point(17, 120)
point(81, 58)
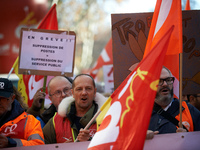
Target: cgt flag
point(105, 58)
point(29, 84)
point(126, 122)
point(166, 14)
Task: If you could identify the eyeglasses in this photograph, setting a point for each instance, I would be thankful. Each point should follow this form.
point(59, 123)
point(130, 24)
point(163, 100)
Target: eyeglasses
point(169, 80)
point(58, 93)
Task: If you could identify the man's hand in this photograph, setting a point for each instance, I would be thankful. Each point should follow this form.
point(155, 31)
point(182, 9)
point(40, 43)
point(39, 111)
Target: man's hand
point(3, 141)
point(181, 130)
point(84, 135)
point(150, 134)
point(68, 140)
point(38, 98)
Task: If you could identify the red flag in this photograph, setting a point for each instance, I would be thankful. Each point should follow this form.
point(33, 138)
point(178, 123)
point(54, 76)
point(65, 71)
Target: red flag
point(166, 14)
point(105, 58)
point(29, 84)
point(50, 20)
point(187, 6)
point(126, 122)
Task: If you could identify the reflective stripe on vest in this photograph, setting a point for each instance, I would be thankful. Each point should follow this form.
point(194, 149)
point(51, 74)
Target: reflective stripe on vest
point(186, 117)
point(20, 130)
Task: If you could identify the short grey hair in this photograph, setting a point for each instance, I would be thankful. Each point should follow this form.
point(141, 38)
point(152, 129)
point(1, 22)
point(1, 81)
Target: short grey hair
point(170, 73)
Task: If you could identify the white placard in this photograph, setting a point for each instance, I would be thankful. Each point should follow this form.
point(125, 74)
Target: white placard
point(44, 51)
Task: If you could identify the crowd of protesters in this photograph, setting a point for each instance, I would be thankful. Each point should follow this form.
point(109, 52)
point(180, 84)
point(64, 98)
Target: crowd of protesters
point(74, 103)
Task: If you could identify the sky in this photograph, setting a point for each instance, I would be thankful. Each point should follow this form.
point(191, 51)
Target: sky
point(138, 6)
point(128, 6)
point(131, 6)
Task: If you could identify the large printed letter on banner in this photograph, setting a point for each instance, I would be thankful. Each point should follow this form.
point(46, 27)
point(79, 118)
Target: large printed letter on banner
point(126, 121)
point(166, 14)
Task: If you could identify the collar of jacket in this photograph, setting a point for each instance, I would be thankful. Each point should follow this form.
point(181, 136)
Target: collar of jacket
point(47, 114)
point(173, 109)
point(14, 113)
point(71, 113)
point(65, 103)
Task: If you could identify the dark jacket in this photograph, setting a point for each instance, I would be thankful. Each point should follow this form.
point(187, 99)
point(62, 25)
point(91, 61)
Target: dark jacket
point(14, 113)
point(161, 124)
point(46, 115)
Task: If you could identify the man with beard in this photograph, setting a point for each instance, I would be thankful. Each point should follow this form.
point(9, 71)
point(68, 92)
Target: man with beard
point(17, 128)
point(165, 115)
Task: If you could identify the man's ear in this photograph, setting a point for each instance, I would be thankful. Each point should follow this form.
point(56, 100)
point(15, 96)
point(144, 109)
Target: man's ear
point(72, 93)
point(50, 98)
point(191, 99)
point(13, 97)
point(95, 91)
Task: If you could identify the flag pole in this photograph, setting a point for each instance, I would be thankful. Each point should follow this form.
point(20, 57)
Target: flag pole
point(89, 123)
point(180, 88)
point(97, 113)
point(11, 70)
point(44, 90)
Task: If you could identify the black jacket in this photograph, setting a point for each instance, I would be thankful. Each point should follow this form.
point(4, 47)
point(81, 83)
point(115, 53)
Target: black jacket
point(161, 124)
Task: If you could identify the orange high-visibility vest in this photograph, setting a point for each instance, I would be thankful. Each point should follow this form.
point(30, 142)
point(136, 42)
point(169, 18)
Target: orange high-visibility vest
point(186, 118)
point(25, 130)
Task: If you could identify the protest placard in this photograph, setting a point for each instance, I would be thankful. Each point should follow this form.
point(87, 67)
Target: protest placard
point(129, 35)
point(47, 52)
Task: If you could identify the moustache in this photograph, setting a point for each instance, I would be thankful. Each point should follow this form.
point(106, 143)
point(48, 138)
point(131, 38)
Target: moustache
point(164, 88)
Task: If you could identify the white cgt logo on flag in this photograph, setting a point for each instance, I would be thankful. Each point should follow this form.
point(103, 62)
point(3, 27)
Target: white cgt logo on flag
point(1, 85)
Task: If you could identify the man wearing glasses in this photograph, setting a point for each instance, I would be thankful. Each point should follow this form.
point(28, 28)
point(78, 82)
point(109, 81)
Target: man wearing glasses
point(165, 115)
point(59, 87)
point(17, 128)
point(74, 113)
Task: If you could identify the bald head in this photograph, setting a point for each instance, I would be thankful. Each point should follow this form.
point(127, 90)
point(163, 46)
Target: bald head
point(55, 79)
point(59, 87)
point(87, 75)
